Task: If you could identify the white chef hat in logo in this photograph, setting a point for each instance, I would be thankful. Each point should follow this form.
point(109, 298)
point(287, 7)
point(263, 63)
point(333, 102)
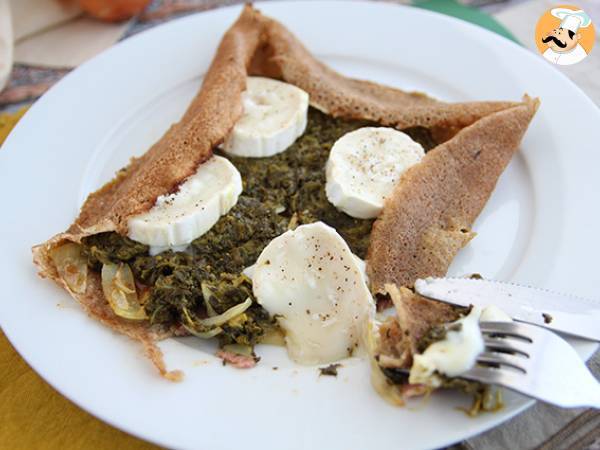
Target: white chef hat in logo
point(572, 20)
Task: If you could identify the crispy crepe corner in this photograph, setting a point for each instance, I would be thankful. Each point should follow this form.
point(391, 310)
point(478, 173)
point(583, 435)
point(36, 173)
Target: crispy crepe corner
point(429, 216)
point(254, 45)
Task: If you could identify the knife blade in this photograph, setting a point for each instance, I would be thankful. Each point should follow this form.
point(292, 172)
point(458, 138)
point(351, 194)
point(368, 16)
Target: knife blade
point(560, 312)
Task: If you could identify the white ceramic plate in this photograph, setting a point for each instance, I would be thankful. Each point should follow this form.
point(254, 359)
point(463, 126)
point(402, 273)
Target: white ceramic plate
point(538, 228)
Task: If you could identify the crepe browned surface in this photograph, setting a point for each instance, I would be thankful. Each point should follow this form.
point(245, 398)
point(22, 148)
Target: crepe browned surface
point(177, 155)
point(254, 45)
point(428, 217)
point(283, 56)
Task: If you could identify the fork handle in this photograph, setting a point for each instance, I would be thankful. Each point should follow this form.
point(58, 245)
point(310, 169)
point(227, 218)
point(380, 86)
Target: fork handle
point(578, 399)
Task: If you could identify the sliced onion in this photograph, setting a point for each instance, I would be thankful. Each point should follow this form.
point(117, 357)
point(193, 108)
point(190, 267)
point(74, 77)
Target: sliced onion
point(227, 315)
point(121, 284)
point(203, 334)
point(118, 286)
point(293, 223)
point(71, 266)
point(207, 294)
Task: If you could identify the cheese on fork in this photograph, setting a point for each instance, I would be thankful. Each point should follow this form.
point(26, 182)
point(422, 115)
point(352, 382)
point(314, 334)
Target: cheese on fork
point(365, 165)
point(177, 219)
point(458, 351)
point(311, 281)
point(492, 313)
point(275, 115)
point(451, 356)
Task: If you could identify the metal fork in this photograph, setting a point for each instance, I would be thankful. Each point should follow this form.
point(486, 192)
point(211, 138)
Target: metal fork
point(535, 362)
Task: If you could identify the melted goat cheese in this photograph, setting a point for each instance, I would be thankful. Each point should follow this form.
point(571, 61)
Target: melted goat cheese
point(451, 356)
point(494, 314)
point(458, 351)
point(311, 281)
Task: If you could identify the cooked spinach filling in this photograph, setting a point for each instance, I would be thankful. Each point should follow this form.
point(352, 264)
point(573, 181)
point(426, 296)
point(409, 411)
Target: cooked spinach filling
point(280, 192)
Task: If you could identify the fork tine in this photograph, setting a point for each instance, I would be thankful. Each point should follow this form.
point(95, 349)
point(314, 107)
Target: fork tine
point(516, 362)
point(507, 345)
point(553, 372)
point(508, 328)
point(491, 375)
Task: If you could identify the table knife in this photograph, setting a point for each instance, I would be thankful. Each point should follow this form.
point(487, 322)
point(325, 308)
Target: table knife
point(559, 312)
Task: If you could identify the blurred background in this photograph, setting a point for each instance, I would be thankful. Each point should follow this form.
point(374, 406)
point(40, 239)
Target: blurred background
point(42, 40)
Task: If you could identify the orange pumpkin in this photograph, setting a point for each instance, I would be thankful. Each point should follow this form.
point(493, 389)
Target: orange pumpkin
point(113, 10)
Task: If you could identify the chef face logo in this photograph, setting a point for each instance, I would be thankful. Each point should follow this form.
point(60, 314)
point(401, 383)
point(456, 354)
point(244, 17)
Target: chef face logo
point(561, 40)
point(565, 35)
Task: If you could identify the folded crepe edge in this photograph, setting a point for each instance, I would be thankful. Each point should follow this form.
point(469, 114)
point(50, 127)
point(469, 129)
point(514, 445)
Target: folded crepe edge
point(93, 302)
point(255, 45)
point(429, 216)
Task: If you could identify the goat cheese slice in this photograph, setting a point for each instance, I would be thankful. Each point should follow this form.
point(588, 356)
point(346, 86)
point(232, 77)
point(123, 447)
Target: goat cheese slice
point(365, 165)
point(177, 219)
point(275, 115)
